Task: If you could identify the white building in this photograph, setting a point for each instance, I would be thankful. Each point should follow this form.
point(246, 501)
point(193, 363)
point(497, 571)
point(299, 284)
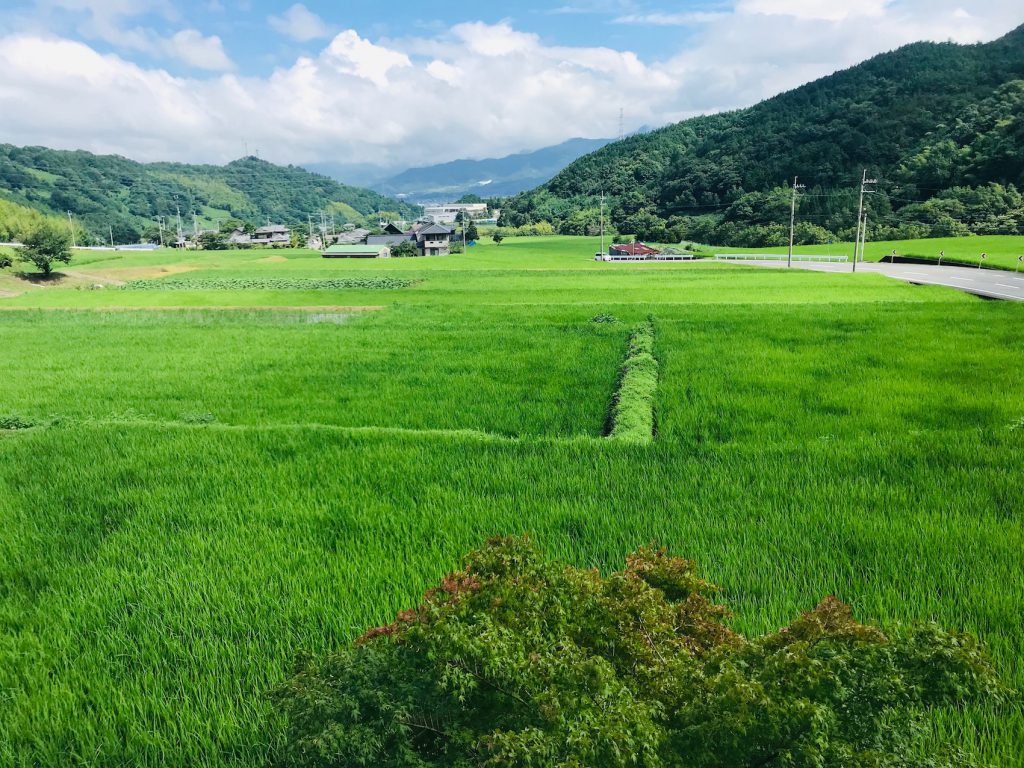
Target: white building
point(445, 214)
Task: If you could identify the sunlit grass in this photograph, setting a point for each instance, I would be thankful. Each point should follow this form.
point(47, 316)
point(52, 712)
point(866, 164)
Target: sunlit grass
point(191, 498)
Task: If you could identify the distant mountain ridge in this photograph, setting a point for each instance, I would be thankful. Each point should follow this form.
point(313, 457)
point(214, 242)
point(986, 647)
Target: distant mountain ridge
point(940, 124)
point(109, 194)
point(492, 177)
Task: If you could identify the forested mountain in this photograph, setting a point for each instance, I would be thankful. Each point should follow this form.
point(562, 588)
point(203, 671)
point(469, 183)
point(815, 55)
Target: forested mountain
point(940, 125)
point(105, 192)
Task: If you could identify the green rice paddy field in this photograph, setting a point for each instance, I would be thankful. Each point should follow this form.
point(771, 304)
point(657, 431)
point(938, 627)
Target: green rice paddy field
point(191, 495)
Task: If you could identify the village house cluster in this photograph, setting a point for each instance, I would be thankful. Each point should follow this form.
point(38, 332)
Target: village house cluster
point(431, 235)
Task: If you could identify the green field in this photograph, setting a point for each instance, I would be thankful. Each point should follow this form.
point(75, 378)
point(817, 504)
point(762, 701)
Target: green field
point(195, 495)
point(1001, 251)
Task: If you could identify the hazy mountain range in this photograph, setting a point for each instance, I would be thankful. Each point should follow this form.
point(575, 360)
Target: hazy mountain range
point(493, 177)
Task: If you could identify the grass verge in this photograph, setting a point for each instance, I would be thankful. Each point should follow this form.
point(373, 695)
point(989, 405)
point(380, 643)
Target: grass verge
point(632, 414)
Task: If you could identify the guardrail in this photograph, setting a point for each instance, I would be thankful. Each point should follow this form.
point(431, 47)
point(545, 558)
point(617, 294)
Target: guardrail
point(776, 257)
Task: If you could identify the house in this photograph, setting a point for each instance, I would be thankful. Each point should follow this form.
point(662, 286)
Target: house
point(357, 252)
point(272, 235)
point(635, 250)
point(354, 236)
point(239, 237)
point(434, 240)
point(392, 235)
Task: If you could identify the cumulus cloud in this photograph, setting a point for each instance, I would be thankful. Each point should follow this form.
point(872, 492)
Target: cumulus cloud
point(194, 49)
point(828, 10)
point(300, 24)
point(474, 90)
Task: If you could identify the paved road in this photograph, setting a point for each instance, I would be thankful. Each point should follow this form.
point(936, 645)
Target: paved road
point(993, 283)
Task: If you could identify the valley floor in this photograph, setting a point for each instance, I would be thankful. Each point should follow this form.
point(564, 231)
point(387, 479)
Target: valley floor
point(191, 496)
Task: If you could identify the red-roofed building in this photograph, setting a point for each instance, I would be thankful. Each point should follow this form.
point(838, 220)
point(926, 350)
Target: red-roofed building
point(632, 249)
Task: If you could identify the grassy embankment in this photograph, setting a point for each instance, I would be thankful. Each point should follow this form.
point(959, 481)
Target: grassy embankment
point(1002, 250)
point(205, 494)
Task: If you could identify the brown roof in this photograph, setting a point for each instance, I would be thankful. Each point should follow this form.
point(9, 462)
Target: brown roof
point(633, 249)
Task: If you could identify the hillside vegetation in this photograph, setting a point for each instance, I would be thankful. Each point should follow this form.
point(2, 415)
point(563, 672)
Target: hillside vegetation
point(111, 195)
point(940, 126)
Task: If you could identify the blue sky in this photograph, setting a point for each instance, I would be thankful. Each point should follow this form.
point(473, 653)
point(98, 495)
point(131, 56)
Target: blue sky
point(403, 83)
point(257, 45)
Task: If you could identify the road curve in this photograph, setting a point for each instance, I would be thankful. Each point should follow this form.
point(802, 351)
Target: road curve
point(991, 283)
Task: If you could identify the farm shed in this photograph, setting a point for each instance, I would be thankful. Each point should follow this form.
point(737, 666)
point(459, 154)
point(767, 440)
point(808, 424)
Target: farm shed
point(632, 249)
point(357, 252)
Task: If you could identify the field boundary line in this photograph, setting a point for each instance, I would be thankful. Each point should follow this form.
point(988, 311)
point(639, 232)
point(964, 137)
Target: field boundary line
point(475, 434)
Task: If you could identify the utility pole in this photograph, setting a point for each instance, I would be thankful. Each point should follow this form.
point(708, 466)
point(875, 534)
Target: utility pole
point(602, 223)
point(160, 223)
point(864, 182)
point(309, 216)
point(864, 236)
point(71, 224)
point(792, 219)
point(195, 224)
point(110, 227)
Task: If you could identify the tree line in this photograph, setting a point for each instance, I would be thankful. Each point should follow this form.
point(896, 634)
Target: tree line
point(113, 197)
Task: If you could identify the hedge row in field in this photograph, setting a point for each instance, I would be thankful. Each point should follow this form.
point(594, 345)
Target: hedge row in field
point(632, 416)
point(274, 283)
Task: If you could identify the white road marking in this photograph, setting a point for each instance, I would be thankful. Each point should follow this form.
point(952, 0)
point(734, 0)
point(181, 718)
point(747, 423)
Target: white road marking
point(1004, 285)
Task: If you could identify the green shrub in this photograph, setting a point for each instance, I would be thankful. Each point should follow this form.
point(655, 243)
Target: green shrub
point(404, 249)
point(11, 421)
point(513, 661)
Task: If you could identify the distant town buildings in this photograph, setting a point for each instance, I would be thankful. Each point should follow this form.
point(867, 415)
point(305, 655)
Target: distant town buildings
point(447, 213)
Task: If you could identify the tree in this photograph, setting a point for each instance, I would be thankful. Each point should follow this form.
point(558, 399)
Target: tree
point(5, 260)
point(230, 225)
point(497, 237)
point(213, 241)
point(404, 249)
point(514, 661)
point(45, 244)
point(471, 232)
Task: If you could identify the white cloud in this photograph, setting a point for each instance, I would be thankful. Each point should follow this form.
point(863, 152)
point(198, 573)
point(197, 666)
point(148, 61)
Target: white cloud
point(350, 54)
point(827, 10)
point(672, 19)
point(474, 90)
point(497, 40)
point(195, 50)
point(300, 24)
